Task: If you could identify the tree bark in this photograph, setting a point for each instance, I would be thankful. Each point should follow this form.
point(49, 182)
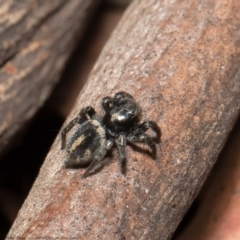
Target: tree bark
point(36, 38)
point(180, 60)
point(218, 210)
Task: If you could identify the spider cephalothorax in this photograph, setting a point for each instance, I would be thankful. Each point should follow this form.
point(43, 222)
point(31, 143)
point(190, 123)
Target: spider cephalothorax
point(95, 136)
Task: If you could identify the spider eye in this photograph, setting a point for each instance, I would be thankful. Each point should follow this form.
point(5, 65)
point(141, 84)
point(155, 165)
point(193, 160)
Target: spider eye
point(118, 97)
point(131, 113)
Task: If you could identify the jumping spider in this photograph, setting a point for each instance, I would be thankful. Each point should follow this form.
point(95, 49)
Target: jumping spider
point(95, 136)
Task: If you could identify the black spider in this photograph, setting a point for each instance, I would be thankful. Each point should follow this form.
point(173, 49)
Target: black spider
point(95, 136)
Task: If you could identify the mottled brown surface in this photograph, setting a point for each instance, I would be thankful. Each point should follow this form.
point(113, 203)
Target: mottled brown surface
point(218, 214)
point(18, 171)
point(36, 38)
point(181, 62)
point(83, 59)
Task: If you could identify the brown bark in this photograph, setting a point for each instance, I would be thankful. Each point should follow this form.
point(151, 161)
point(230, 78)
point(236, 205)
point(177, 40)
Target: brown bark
point(218, 212)
point(36, 38)
point(180, 60)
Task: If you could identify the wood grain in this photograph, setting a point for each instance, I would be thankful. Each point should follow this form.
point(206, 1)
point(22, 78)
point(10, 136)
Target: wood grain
point(180, 60)
point(218, 211)
point(36, 39)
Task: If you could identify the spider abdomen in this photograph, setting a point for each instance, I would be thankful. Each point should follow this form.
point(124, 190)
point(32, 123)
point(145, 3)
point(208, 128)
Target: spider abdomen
point(85, 143)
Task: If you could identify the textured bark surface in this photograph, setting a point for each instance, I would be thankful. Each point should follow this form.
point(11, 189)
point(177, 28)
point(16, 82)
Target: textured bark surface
point(180, 60)
point(218, 214)
point(36, 38)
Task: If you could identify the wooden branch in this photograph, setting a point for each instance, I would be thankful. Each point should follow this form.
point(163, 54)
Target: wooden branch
point(36, 38)
point(180, 60)
point(218, 203)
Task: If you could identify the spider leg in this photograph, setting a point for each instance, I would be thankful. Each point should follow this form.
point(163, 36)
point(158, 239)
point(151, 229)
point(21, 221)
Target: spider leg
point(106, 102)
point(82, 117)
point(121, 143)
point(76, 120)
point(143, 138)
point(96, 163)
point(88, 111)
point(148, 125)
